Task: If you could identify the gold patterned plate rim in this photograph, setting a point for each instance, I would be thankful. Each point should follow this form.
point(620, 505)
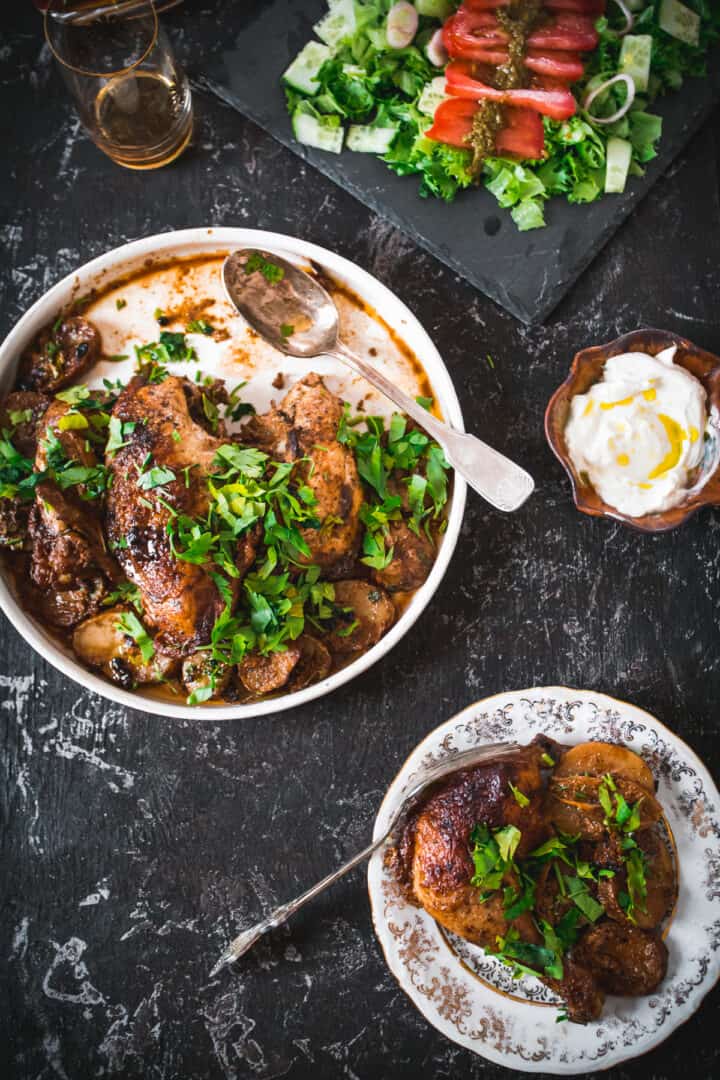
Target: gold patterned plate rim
point(469, 1005)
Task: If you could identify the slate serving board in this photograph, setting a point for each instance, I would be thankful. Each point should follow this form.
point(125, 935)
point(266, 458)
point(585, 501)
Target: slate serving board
point(527, 273)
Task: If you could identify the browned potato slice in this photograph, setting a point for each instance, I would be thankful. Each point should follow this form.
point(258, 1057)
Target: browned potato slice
point(573, 804)
point(200, 671)
point(599, 758)
point(314, 663)
point(264, 674)
point(367, 604)
point(623, 959)
point(659, 874)
point(101, 644)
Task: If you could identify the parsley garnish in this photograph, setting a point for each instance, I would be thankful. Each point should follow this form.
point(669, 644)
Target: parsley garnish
point(287, 330)
point(269, 270)
point(521, 799)
point(199, 326)
point(129, 623)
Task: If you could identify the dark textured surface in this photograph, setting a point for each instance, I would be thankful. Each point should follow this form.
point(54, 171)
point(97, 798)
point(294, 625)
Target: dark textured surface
point(133, 847)
point(527, 273)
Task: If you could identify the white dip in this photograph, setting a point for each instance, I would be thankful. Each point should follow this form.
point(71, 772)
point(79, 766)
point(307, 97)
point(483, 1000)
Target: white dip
point(638, 433)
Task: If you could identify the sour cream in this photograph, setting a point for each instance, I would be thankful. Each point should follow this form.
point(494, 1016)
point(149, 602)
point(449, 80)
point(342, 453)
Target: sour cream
point(638, 433)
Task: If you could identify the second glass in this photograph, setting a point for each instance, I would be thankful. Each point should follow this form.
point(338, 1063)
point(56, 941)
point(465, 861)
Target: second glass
point(133, 98)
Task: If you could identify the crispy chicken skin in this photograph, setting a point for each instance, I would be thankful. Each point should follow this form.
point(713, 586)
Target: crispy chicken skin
point(305, 424)
point(437, 853)
point(69, 564)
point(180, 600)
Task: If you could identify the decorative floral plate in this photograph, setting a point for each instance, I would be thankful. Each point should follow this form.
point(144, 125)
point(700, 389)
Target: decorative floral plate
point(471, 997)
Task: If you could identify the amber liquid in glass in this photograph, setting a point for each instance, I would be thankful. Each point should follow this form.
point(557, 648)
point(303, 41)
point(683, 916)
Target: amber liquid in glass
point(144, 119)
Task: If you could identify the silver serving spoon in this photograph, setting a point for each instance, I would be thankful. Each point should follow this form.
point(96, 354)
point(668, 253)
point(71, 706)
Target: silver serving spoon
point(293, 312)
point(424, 781)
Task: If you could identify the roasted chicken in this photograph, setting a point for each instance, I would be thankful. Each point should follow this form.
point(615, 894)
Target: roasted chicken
point(180, 599)
point(304, 426)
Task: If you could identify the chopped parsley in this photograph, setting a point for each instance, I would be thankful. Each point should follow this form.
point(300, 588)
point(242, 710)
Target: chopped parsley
point(521, 799)
point(269, 270)
point(287, 330)
point(20, 416)
point(120, 304)
point(125, 593)
point(199, 326)
point(129, 624)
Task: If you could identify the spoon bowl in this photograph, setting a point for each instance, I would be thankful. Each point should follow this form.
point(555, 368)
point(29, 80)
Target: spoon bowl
point(286, 306)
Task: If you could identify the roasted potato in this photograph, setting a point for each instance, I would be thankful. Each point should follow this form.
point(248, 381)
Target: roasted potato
point(314, 663)
point(200, 671)
point(599, 759)
point(659, 876)
point(100, 643)
point(623, 959)
point(574, 808)
point(60, 355)
point(366, 604)
point(265, 674)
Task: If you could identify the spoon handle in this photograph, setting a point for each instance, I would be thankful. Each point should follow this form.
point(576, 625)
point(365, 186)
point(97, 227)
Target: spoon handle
point(498, 479)
point(245, 941)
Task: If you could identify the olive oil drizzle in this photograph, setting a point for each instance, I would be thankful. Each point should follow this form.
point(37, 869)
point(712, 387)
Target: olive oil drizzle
point(518, 20)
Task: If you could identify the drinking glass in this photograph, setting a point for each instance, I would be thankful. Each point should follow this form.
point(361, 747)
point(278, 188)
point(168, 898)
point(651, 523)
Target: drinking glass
point(132, 97)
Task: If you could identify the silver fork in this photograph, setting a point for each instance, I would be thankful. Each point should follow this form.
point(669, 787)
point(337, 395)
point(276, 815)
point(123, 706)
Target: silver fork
point(467, 758)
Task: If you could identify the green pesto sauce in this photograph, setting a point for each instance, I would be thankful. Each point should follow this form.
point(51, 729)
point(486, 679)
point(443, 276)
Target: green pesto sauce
point(518, 21)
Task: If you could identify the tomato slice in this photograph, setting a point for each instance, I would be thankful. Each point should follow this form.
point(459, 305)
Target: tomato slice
point(523, 136)
point(557, 104)
point(468, 29)
point(567, 67)
point(452, 122)
point(585, 7)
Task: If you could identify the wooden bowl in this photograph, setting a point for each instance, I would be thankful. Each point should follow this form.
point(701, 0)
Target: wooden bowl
point(587, 369)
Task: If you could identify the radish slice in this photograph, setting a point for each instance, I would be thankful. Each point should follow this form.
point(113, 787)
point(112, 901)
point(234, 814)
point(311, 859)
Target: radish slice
point(629, 19)
point(435, 50)
point(629, 83)
point(402, 24)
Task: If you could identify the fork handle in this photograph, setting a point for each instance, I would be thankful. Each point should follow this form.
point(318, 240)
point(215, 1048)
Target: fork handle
point(245, 941)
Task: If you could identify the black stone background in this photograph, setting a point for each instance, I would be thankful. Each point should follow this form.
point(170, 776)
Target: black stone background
point(193, 830)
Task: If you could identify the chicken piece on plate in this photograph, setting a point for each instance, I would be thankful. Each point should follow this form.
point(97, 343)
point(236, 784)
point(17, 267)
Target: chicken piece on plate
point(436, 847)
point(305, 425)
point(60, 355)
point(69, 564)
point(180, 599)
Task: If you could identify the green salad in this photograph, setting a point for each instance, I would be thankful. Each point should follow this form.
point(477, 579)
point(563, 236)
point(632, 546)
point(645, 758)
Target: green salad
point(353, 91)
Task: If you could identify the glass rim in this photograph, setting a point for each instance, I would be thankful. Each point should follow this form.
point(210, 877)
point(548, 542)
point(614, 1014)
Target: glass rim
point(102, 74)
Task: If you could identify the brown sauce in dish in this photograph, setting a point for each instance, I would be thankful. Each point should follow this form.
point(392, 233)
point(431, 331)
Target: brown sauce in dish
point(16, 563)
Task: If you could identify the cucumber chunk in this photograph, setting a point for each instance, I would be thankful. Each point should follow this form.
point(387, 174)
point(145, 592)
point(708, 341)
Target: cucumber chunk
point(318, 132)
point(679, 21)
point(339, 23)
point(635, 55)
point(433, 93)
point(619, 156)
point(370, 140)
point(302, 73)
